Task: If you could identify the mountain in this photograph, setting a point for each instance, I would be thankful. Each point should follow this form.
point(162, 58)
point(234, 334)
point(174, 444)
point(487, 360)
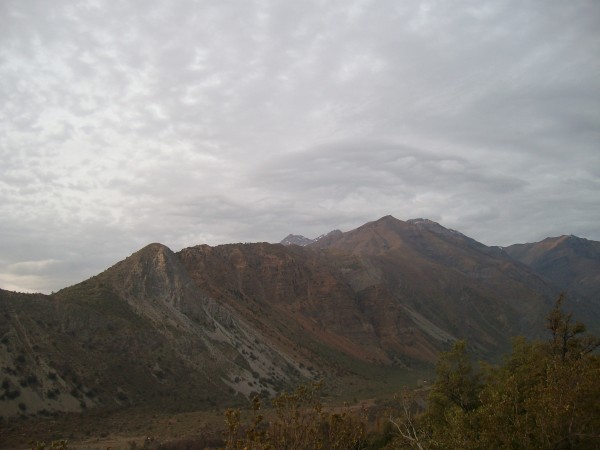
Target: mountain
point(568, 261)
point(228, 321)
point(135, 334)
point(462, 286)
point(296, 239)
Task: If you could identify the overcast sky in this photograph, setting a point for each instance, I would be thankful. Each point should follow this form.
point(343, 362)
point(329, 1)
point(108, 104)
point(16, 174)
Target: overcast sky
point(186, 122)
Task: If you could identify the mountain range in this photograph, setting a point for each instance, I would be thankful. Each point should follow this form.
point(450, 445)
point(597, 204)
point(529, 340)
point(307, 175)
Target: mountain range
point(209, 326)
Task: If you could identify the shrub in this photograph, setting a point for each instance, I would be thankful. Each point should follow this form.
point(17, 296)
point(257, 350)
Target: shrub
point(301, 423)
point(544, 395)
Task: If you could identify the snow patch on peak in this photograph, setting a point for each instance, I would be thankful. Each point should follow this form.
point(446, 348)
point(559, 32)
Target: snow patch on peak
point(302, 241)
point(331, 233)
point(296, 239)
point(433, 226)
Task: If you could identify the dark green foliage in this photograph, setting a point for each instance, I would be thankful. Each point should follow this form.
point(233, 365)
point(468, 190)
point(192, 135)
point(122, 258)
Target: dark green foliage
point(456, 383)
point(568, 339)
point(545, 395)
point(52, 394)
point(9, 391)
point(11, 395)
point(453, 398)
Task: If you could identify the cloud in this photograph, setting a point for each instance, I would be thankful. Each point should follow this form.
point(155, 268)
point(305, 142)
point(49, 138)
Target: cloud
point(28, 276)
point(28, 267)
point(190, 122)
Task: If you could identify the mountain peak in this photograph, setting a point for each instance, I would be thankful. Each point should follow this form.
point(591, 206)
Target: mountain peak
point(423, 221)
point(387, 219)
point(296, 239)
point(567, 260)
point(151, 250)
point(433, 226)
point(302, 241)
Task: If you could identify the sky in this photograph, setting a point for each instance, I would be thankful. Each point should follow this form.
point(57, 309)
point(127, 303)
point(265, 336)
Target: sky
point(192, 122)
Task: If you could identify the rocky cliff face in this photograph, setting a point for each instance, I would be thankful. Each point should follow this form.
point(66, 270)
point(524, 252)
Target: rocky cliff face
point(137, 333)
point(309, 289)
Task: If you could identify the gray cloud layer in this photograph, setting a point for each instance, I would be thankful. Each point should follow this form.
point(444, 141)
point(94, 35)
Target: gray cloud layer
point(187, 122)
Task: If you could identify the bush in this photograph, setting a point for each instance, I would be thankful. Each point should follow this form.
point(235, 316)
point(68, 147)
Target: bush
point(544, 395)
point(301, 423)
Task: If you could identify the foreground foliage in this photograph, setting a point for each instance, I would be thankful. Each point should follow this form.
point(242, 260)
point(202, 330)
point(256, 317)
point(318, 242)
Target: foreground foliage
point(300, 423)
point(544, 396)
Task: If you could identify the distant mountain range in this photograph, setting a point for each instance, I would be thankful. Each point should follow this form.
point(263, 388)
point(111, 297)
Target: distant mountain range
point(570, 262)
point(298, 239)
point(207, 325)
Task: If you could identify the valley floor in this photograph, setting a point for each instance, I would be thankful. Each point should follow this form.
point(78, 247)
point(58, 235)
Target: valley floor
point(131, 427)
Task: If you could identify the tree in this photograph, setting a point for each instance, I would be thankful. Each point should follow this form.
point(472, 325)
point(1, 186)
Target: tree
point(301, 423)
point(453, 400)
point(568, 339)
point(545, 395)
point(456, 383)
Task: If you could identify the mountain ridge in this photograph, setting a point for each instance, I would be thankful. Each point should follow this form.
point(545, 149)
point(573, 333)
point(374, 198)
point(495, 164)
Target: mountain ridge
point(569, 260)
point(236, 319)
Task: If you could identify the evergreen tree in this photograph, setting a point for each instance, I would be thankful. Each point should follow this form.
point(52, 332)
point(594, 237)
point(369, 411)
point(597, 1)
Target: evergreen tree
point(545, 395)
